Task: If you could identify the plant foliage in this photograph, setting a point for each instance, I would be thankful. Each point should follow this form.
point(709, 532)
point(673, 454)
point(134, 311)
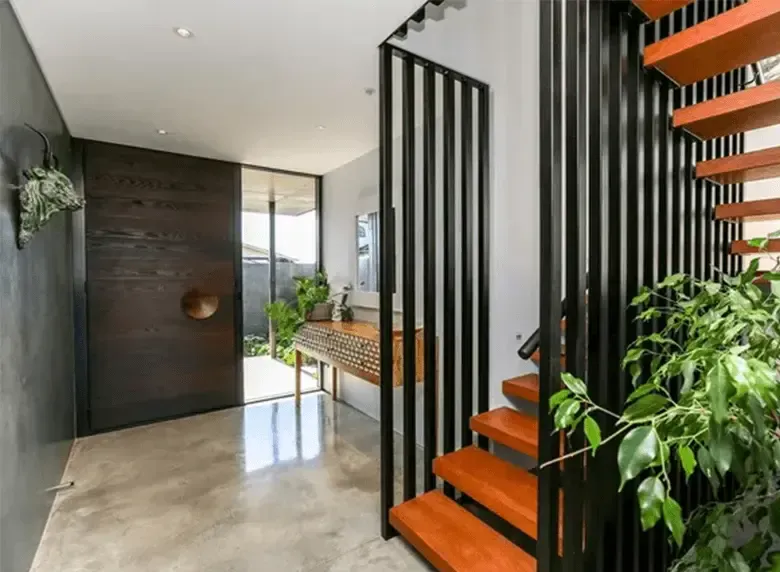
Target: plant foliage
point(705, 398)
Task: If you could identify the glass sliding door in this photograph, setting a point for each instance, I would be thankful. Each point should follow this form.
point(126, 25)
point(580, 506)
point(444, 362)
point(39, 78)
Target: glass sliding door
point(280, 236)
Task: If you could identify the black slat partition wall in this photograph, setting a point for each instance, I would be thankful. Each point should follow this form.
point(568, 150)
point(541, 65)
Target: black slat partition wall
point(446, 115)
point(620, 208)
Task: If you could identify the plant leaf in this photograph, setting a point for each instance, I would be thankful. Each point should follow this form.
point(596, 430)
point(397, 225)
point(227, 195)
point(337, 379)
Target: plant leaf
point(632, 355)
point(737, 562)
point(673, 519)
point(592, 432)
point(557, 398)
point(721, 450)
point(642, 297)
point(760, 243)
point(672, 281)
point(687, 460)
point(566, 413)
point(637, 450)
point(688, 371)
point(640, 391)
point(708, 468)
point(718, 391)
point(576, 385)
point(644, 407)
point(651, 494)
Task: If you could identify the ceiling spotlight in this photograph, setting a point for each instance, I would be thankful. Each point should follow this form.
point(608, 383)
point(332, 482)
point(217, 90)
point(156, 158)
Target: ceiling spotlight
point(183, 32)
point(320, 128)
point(162, 132)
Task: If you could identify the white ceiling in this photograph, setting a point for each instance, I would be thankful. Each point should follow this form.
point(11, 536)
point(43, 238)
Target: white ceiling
point(251, 86)
point(293, 194)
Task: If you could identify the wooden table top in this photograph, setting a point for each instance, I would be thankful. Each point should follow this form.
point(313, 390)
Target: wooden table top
point(367, 330)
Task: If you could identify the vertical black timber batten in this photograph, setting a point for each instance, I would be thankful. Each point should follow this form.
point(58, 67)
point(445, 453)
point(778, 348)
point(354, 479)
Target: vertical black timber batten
point(467, 263)
point(616, 266)
point(429, 275)
point(448, 341)
point(576, 94)
point(409, 278)
point(634, 224)
point(386, 278)
point(483, 250)
point(598, 511)
point(741, 186)
point(550, 29)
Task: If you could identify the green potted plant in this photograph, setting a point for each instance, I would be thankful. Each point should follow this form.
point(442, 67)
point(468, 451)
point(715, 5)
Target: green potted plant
point(314, 297)
point(705, 398)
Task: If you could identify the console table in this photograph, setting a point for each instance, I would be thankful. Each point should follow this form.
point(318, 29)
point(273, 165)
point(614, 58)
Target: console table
point(352, 347)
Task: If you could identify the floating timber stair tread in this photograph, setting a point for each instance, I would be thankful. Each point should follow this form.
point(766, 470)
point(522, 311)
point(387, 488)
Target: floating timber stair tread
point(738, 37)
point(536, 357)
point(506, 490)
point(655, 9)
point(753, 166)
point(765, 209)
point(524, 387)
point(454, 540)
point(510, 428)
point(746, 110)
point(742, 247)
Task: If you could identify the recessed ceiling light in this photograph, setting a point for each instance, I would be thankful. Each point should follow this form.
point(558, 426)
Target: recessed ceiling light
point(162, 132)
point(183, 32)
point(320, 128)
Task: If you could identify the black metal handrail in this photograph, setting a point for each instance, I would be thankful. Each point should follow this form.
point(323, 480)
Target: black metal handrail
point(532, 343)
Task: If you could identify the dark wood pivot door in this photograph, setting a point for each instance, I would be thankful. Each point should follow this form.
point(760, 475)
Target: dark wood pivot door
point(161, 284)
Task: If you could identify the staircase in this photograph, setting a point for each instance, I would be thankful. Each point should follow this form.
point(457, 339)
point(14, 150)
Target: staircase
point(448, 535)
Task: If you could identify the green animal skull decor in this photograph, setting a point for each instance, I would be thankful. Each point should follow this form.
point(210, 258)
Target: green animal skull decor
point(46, 192)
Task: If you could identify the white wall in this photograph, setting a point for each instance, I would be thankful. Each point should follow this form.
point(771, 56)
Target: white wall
point(757, 190)
point(495, 41)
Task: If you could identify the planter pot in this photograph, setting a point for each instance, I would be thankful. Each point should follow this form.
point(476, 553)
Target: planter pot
point(321, 312)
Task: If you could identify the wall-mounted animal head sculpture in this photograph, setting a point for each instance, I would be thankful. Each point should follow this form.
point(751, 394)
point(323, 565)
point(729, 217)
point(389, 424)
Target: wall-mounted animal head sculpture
point(46, 192)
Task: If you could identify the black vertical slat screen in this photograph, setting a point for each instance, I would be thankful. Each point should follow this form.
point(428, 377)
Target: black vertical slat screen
point(550, 201)
point(429, 278)
point(575, 102)
point(461, 250)
point(467, 263)
point(386, 282)
point(448, 335)
point(409, 276)
point(614, 171)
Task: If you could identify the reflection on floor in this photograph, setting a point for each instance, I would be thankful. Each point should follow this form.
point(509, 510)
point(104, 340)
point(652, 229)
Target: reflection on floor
point(265, 378)
point(260, 488)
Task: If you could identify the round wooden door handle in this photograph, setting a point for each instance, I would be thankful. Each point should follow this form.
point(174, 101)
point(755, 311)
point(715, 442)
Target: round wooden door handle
point(199, 305)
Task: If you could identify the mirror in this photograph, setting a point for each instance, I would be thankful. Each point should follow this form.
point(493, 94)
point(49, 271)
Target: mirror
point(368, 252)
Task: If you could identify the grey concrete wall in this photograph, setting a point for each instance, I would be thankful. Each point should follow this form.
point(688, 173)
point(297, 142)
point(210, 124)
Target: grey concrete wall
point(36, 312)
point(256, 292)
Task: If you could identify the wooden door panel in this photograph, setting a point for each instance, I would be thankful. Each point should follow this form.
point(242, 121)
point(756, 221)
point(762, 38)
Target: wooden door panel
point(159, 225)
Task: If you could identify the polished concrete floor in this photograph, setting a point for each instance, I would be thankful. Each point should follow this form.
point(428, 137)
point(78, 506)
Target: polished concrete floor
point(264, 487)
point(266, 378)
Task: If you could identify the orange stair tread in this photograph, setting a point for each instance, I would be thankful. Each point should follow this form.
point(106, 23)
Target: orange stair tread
point(765, 209)
point(655, 9)
point(454, 540)
point(741, 247)
point(524, 386)
point(738, 37)
point(536, 357)
point(753, 166)
point(746, 110)
point(510, 428)
point(504, 489)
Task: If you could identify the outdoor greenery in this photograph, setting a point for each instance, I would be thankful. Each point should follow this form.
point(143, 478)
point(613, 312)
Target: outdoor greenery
point(288, 318)
point(255, 346)
point(705, 399)
point(311, 291)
